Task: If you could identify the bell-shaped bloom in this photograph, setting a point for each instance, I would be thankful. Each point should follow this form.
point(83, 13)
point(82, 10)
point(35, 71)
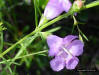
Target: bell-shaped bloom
point(56, 7)
point(65, 50)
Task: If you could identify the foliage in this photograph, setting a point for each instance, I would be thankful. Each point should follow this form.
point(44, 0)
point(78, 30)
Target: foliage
point(23, 48)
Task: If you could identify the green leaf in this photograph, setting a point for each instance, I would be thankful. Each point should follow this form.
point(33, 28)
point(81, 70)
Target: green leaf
point(29, 40)
point(1, 27)
point(83, 35)
point(80, 38)
point(24, 51)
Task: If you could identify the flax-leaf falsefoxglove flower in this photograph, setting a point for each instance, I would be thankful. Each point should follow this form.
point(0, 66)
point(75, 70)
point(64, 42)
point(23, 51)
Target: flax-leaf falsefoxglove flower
point(65, 50)
point(56, 7)
point(53, 9)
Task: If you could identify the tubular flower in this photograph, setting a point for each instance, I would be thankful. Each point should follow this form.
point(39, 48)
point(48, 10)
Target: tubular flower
point(56, 7)
point(65, 50)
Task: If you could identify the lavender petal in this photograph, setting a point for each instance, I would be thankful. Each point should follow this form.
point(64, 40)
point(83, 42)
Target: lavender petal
point(71, 63)
point(57, 64)
point(54, 43)
point(66, 5)
point(76, 48)
point(53, 9)
point(68, 39)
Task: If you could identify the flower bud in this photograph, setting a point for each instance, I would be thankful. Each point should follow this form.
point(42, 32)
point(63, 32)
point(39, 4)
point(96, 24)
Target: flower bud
point(53, 9)
point(79, 3)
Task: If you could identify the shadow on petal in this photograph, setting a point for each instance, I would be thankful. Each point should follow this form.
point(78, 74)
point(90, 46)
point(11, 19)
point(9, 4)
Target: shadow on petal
point(72, 63)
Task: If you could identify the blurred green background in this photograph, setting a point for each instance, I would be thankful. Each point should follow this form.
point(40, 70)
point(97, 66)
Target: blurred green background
point(20, 17)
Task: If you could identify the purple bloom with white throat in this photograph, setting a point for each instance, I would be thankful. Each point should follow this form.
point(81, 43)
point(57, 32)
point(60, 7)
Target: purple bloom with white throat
point(65, 50)
point(56, 7)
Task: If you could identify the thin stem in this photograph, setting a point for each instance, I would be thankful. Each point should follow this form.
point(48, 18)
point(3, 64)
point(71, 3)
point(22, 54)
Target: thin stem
point(36, 30)
point(96, 3)
point(93, 4)
point(32, 54)
point(36, 18)
point(40, 52)
point(1, 41)
point(73, 29)
point(14, 45)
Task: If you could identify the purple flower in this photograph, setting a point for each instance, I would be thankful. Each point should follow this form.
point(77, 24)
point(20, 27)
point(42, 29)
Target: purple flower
point(56, 7)
point(65, 50)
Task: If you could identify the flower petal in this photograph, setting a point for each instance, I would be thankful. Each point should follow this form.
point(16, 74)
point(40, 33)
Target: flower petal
point(76, 47)
point(68, 39)
point(54, 42)
point(57, 64)
point(72, 62)
point(66, 5)
point(53, 9)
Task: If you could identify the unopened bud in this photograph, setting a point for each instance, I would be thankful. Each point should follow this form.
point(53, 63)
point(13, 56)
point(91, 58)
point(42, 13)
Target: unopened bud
point(79, 3)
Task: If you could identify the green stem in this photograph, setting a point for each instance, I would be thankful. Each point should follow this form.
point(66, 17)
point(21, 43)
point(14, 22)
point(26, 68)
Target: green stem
point(36, 18)
point(40, 52)
point(92, 4)
point(36, 30)
point(96, 3)
point(14, 45)
point(1, 39)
